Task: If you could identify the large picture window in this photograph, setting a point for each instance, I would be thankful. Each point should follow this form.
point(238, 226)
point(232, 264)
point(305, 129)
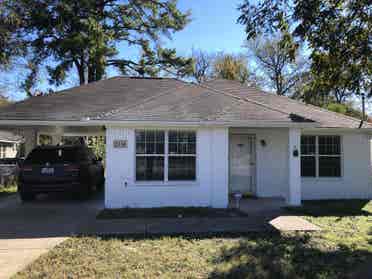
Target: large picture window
point(321, 156)
point(165, 155)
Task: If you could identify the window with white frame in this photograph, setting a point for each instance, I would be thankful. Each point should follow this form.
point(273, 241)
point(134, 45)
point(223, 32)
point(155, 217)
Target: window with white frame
point(165, 155)
point(181, 155)
point(320, 156)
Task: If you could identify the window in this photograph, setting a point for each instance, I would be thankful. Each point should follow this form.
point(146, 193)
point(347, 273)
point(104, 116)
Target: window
point(320, 156)
point(182, 155)
point(165, 155)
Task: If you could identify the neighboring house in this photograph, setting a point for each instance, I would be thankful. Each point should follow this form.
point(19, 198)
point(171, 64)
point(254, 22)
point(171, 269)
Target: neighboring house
point(171, 143)
point(8, 144)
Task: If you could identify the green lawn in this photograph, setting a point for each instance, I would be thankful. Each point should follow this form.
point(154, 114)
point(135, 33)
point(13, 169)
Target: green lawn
point(6, 191)
point(343, 248)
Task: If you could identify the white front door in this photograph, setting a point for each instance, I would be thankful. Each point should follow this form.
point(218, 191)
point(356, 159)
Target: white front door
point(242, 163)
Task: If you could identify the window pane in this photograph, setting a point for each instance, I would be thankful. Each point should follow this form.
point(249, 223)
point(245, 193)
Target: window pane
point(330, 166)
point(308, 145)
point(149, 168)
point(329, 145)
point(149, 142)
point(308, 166)
point(140, 142)
point(181, 168)
point(140, 148)
point(182, 142)
point(172, 148)
point(150, 136)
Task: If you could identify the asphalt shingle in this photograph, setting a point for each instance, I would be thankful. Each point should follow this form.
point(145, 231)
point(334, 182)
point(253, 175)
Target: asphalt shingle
point(166, 99)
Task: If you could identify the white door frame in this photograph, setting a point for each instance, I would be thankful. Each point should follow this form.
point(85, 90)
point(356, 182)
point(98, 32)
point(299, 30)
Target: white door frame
point(254, 170)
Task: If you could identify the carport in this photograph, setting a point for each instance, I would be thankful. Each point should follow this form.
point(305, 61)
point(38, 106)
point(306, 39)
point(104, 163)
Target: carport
point(34, 135)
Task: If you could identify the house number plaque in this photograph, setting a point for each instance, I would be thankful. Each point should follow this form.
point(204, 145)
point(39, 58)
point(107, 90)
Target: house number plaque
point(120, 143)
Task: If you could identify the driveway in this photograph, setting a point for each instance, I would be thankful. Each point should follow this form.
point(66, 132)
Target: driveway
point(28, 230)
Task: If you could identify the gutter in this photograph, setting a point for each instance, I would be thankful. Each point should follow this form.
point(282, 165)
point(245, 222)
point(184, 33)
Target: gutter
point(251, 123)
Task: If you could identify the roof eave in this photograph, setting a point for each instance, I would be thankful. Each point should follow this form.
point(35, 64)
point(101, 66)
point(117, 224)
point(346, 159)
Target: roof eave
point(133, 123)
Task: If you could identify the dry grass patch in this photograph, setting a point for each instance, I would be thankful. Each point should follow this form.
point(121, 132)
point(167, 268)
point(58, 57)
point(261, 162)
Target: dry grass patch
point(343, 248)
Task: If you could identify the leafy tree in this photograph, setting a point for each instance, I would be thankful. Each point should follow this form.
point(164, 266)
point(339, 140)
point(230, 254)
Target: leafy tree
point(11, 44)
point(275, 68)
point(3, 101)
point(202, 65)
point(231, 67)
point(346, 108)
point(85, 35)
point(336, 32)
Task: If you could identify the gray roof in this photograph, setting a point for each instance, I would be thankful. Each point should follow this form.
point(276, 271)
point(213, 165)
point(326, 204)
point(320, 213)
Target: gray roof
point(6, 136)
point(326, 118)
point(86, 100)
point(165, 99)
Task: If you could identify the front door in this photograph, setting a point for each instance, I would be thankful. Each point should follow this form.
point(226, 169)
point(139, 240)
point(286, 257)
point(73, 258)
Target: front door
point(242, 163)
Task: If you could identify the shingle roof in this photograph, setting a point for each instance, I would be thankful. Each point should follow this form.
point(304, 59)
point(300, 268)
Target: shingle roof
point(86, 100)
point(196, 103)
point(325, 118)
point(164, 99)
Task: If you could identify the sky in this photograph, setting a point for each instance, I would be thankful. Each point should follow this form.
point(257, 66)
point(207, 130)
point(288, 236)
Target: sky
point(213, 28)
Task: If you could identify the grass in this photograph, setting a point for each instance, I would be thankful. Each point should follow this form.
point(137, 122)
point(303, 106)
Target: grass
point(169, 212)
point(8, 190)
point(342, 249)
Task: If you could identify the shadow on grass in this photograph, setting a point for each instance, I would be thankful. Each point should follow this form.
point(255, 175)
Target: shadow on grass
point(340, 208)
point(277, 256)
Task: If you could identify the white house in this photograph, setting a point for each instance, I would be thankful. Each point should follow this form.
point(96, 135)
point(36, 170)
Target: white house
point(171, 143)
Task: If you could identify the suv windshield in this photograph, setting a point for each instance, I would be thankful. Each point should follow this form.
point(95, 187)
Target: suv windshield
point(57, 155)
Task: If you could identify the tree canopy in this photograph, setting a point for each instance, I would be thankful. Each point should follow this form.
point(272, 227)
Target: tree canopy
point(231, 67)
point(85, 35)
point(337, 34)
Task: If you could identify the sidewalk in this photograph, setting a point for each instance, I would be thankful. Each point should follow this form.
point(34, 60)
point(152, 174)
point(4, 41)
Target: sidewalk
point(176, 226)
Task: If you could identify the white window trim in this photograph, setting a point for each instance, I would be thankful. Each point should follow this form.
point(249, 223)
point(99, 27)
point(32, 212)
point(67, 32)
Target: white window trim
point(317, 155)
point(166, 181)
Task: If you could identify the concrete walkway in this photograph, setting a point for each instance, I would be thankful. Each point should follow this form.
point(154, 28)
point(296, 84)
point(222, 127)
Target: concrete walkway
point(151, 226)
point(16, 254)
point(293, 223)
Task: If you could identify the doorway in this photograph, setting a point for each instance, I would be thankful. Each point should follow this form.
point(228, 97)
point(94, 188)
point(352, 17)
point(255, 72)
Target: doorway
point(242, 164)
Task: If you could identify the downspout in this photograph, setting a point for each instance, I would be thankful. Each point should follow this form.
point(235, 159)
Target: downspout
point(363, 111)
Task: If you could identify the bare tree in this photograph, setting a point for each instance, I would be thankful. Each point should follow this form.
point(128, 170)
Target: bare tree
point(274, 66)
point(202, 65)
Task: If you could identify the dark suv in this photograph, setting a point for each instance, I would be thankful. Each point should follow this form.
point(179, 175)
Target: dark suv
point(69, 169)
